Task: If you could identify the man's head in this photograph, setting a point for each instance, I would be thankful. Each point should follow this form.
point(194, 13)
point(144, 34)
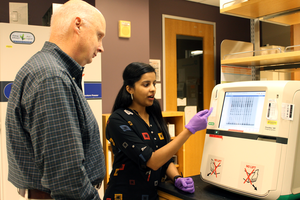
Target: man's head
point(78, 29)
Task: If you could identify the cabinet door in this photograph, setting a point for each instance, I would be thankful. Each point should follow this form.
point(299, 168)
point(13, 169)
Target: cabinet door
point(166, 196)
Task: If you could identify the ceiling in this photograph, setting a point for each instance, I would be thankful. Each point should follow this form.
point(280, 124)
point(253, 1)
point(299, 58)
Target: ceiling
point(208, 2)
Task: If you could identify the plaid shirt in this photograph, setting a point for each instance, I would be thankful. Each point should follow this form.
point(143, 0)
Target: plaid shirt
point(53, 139)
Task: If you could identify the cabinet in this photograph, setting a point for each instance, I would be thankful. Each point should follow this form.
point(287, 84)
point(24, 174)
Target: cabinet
point(285, 12)
point(278, 11)
point(188, 157)
point(166, 196)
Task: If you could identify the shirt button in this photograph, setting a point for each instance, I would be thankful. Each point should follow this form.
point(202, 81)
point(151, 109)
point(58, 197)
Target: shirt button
point(152, 132)
point(150, 125)
point(156, 146)
point(154, 138)
point(132, 146)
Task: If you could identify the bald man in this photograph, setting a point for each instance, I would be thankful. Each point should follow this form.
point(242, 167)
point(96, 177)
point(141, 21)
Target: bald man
point(53, 141)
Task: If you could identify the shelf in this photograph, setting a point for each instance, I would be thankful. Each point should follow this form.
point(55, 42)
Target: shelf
point(172, 114)
point(264, 60)
point(254, 9)
point(290, 19)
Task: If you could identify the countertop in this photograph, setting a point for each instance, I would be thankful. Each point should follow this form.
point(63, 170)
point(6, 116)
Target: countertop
point(203, 190)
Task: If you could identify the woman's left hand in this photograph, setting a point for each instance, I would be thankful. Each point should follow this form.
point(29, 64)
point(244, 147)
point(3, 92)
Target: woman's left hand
point(185, 184)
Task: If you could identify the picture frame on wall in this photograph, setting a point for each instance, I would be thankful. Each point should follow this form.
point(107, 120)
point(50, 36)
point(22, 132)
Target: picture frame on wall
point(155, 63)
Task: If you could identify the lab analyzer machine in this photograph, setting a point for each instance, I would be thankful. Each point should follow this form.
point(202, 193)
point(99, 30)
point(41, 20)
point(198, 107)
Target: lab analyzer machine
point(252, 143)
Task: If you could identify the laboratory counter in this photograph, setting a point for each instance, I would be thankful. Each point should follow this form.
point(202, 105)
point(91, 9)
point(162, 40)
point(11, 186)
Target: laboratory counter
point(203, 190)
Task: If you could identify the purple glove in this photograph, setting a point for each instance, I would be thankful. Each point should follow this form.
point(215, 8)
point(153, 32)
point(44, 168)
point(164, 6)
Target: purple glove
point(185, 184)
point(199, 121)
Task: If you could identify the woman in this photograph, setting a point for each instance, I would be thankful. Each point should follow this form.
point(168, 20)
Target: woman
point(140, 139)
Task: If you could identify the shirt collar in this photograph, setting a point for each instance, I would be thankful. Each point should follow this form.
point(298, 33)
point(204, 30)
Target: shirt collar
point(74, 69)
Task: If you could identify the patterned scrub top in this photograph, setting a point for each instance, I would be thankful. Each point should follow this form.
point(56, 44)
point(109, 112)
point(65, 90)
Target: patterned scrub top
point(133, 143)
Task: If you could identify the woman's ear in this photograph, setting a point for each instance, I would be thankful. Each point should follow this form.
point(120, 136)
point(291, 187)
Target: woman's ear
point(129, 89)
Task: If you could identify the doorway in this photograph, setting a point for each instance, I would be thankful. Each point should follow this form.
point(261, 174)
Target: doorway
point(174, 30)
point(189, 72)
point(177, 27)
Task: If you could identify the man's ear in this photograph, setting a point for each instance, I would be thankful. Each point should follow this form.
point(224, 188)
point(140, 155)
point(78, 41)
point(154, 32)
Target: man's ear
point(77, 24)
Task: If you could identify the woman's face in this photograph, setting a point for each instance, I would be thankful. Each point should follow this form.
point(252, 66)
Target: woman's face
point(144, 90)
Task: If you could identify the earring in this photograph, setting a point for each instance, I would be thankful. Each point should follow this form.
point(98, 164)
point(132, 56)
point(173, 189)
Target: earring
point(131, 96)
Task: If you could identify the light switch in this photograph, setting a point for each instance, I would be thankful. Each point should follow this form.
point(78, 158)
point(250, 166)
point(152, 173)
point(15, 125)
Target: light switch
point(14, 16)
point(18, 13)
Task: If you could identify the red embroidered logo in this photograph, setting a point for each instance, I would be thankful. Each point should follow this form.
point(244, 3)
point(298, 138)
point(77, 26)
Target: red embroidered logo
point(131, 182)
point(146, 136)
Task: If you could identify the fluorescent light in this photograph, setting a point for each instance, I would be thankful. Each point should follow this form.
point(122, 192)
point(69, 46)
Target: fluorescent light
point(196, 52)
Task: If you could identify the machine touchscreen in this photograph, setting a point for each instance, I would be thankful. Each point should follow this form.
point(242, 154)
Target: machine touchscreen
point(242, 111)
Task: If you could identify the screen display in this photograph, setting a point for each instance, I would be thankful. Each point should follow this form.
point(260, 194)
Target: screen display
point(242, 111)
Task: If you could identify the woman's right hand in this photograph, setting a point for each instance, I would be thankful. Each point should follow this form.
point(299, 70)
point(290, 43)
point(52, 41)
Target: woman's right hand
point(199, 121)
point(185, 184)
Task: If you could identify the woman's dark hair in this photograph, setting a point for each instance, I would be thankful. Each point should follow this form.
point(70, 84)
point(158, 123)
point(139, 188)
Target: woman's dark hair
point(131, 74)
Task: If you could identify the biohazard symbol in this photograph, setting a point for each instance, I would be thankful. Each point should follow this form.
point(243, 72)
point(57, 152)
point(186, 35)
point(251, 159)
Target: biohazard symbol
point(213, 167)
point(119, 169)
point(252, 177)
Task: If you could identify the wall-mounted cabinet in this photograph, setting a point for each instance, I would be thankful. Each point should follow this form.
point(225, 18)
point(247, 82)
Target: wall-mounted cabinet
point(278, 11)
point(285, 12)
